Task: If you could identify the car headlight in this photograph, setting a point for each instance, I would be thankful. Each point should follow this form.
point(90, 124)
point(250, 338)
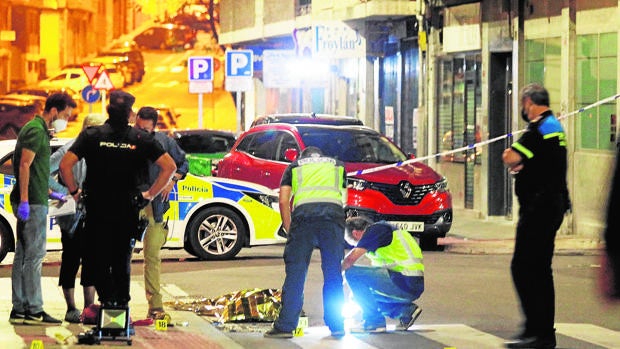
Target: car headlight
point(356, 184)
point(442, 185)
point(265, 199)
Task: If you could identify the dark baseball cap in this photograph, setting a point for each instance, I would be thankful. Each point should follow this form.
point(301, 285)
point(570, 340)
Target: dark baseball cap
point(122, 99)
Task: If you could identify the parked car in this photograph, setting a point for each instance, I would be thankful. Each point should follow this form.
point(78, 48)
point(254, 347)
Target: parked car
point(411, 196)
point(16, 110)
point(212, 218)
point(306, 118)
point(70, 77)
point(204, 148)
point(167, 117)
point(129, 58)
point(166, 36)
point(45, 91)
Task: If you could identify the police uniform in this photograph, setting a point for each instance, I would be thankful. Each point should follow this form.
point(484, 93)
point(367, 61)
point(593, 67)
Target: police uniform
point(117, 162)
point(317, 220)
point(393, 281)
point(542, 192)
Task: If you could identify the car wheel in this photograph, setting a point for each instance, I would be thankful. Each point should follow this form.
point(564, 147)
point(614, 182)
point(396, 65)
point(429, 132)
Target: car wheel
point(6, 241)
point(216, 233)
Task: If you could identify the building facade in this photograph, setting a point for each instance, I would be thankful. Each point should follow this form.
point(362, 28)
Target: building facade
point(39, 36)
point(440, 76)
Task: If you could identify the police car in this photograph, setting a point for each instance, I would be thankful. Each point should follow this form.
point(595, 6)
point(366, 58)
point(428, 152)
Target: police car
point(211, 218)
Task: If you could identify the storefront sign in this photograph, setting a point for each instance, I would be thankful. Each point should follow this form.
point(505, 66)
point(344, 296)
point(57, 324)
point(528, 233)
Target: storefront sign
point(337, 40)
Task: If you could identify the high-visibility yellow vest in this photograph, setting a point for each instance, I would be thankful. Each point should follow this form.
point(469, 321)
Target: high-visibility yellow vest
point(402, 255)
point(317, 180)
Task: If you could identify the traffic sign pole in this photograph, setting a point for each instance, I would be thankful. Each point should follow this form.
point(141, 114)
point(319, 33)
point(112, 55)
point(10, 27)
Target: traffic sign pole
point(200, 111)
point(200, 74)
point(238, 105)
point(239, 74)
point(103, 100)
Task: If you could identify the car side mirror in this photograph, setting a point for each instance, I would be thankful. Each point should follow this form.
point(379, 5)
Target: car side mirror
point(291, 154)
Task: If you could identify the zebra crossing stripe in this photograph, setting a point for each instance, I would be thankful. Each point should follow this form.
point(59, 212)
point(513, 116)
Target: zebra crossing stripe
point(591, 333)
point(8, 337)
point(319, 337)
point(458, 336)
point(173, 291)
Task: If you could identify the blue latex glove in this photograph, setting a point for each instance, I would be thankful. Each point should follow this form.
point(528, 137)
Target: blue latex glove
point(58, 196)
point(23, 211)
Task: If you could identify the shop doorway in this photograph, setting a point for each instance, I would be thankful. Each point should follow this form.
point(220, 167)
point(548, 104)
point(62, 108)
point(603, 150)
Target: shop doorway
point(500, 119)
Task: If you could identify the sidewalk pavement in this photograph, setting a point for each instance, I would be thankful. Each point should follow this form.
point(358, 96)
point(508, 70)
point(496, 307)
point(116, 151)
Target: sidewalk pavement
point(472, 235)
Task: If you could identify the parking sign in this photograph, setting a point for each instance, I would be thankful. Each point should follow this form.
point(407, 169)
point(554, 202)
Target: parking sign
point(239, 70)
point(239, 63)
point(200, 68)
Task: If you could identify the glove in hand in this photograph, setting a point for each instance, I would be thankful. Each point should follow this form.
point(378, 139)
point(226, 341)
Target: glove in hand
point(23, 211)
point(58, 196)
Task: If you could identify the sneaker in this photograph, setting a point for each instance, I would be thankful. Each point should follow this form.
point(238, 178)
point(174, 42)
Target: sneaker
point(41, 318)
point(73, 316)
point(407, 321)
point(17, 318)
point(90, 314)
point(368, 328)
point(275, 333)
point(159, 315)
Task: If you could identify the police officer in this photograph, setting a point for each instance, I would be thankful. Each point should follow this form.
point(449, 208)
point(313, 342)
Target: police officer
point(117, 158)
point(538, 160)
point(394, 280)
point(318, 186)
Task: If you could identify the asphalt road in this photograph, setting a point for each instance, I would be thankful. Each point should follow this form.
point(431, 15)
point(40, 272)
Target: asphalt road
point(466, 296)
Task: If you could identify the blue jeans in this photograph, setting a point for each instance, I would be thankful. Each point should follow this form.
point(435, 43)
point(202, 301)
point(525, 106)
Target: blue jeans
point(377, 294)
point(29, 253)
point(304, 235)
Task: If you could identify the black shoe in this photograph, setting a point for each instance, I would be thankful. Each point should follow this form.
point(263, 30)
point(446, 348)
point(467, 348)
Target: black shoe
point(41, 318)
point(275, 333)
point(17, 318)
point(408, 320)
point(535, 342)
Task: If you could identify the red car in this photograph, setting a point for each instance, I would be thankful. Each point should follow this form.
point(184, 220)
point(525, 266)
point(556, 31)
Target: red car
point(412, 196)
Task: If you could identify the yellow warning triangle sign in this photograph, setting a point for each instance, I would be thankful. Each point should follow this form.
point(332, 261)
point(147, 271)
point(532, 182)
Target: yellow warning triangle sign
point(103, 82)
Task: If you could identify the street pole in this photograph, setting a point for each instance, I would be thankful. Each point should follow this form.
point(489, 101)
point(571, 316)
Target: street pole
point(200, 110)
point(238, 104)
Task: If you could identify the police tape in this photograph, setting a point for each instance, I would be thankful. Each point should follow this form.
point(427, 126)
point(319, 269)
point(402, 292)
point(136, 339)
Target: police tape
point(475, 145)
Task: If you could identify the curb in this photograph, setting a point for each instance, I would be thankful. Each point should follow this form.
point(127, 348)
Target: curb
point(563, 246)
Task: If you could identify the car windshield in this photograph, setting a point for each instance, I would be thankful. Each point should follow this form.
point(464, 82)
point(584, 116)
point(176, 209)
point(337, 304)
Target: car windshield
point(352, 145)
point(204, 143)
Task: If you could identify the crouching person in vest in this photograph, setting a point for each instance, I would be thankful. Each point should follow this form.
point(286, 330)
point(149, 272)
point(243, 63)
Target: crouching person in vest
point(393, 281)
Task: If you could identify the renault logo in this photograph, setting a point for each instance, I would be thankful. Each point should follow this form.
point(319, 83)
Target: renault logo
point(405, 189)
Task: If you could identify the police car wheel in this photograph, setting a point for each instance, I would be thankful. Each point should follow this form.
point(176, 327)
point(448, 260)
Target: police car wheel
point(6, 240)
point(216, 233)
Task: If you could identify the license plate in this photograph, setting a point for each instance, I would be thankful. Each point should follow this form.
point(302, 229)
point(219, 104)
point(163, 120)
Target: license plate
point(409, 226)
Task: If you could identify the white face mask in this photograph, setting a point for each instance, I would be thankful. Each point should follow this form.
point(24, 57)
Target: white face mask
point(59, 125)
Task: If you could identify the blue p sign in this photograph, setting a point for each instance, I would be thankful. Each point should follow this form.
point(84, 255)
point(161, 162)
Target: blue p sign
point(239, 63)
point(200, 68)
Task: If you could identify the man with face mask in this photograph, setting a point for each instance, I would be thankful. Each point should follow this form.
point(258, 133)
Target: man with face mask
point(31, 165)
point(156, 232)
point(538, 161)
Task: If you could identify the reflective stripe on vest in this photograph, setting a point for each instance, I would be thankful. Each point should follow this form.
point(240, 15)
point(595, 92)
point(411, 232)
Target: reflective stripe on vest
point(402, 255)
point(317, 180)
